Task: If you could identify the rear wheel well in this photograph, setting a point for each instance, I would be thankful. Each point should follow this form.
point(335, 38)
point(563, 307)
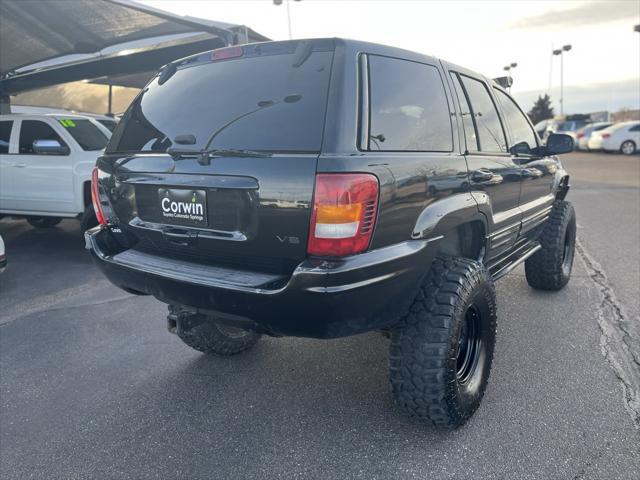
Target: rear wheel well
point(563, 188)
point(466, 240)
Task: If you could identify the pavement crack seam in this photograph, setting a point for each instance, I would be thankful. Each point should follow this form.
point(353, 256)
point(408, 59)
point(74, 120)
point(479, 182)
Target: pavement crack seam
point(615, 339)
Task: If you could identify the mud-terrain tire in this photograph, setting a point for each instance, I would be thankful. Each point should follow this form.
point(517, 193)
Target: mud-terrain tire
point(88, 219)
point(216, 339)
point(550, 267)
point(43, 222)
point(441, 350)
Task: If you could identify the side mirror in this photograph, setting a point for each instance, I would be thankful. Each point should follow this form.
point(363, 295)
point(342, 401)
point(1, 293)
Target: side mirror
point(520, 148)
point(558, 143)
point(49, 147)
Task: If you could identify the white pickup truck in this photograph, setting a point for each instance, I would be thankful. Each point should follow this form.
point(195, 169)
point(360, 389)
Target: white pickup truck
point(45, 167)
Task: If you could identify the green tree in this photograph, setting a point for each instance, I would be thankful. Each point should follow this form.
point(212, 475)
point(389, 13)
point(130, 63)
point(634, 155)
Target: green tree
point(542, 109)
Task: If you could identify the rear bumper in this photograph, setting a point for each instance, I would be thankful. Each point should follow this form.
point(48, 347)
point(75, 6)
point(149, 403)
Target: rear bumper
point(321, 299)
point(594, 143)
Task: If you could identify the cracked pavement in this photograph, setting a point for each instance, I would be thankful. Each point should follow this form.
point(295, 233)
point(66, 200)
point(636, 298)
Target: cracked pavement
point(93, 386)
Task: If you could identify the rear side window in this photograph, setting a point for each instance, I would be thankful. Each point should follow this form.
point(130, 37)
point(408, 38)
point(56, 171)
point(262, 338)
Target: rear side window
point(487, 122)
point(408, 107)
point(467, 116)
point(264, 100)
point(635, 128)
point(521, 131)
point(110, 124)
point(86, 133)
point(32, 130)
point(5, 135)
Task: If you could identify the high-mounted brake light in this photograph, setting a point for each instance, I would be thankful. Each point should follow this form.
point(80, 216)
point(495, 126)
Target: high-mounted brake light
point(224, 53)
point(344, 214)
point(95, 197)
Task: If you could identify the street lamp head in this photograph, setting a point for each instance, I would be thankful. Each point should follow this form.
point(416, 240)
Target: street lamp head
point(636, 28)
point(277, 2)
point(557, 52)
point(514, 65)
point(566, 48)
point(507, 68)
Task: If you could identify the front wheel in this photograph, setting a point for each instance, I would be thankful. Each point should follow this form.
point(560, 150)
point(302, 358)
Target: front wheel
point(550, 267)
point(628, 147)
point(441, 351)
point(43, 222)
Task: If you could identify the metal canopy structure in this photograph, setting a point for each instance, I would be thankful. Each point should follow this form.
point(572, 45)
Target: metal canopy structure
point(111, 42)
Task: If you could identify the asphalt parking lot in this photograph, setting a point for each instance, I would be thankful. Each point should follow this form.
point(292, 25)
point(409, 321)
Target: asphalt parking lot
point(93, 386)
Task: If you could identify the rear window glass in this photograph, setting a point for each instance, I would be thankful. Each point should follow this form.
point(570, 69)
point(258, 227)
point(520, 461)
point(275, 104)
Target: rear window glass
point(86, 133)
point(261, 101)
point(408, 107)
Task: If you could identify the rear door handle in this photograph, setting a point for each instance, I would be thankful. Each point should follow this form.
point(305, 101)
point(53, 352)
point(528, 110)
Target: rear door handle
point(20, 165)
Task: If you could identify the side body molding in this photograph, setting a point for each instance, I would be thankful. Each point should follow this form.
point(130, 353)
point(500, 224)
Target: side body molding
point(443, 215)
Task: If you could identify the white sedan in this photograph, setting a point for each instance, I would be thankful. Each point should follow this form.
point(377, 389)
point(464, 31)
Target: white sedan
point(584, 134)
point(622, 137)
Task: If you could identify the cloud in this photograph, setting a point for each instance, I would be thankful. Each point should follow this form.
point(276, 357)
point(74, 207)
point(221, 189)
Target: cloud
point(587, 13)
point(596, 97)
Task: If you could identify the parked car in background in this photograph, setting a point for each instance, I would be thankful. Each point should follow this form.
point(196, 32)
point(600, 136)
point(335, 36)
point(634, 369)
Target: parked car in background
point(621, 137)
point(45, 167)
point(3, 256)
point(582, 135)
point(565, 126)
point(107, 121)
point(570, 126)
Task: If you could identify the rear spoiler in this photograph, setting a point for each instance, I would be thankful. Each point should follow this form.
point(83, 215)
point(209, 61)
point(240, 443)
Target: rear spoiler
point(504, 82)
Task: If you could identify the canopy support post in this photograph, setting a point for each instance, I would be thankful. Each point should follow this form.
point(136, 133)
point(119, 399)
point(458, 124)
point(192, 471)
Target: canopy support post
point(5, 104)
point(110, 101)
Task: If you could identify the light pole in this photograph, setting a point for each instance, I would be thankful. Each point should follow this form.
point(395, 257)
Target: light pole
point(560, 51)
point(508, 69)
point(279, 2)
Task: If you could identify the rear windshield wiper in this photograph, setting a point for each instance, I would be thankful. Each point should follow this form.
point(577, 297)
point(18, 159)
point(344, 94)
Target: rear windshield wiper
point(205, 155)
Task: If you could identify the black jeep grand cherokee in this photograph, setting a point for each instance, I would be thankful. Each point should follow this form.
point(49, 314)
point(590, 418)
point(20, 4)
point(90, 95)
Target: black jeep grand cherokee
point(325, 188)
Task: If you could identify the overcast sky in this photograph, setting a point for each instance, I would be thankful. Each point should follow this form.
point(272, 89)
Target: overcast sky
point(602, 70)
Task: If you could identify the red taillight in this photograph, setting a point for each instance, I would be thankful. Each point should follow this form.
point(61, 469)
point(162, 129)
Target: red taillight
point(580, 135)
point(605, 135)
point(95, 197)
point(224, 53)
point(344, 214)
